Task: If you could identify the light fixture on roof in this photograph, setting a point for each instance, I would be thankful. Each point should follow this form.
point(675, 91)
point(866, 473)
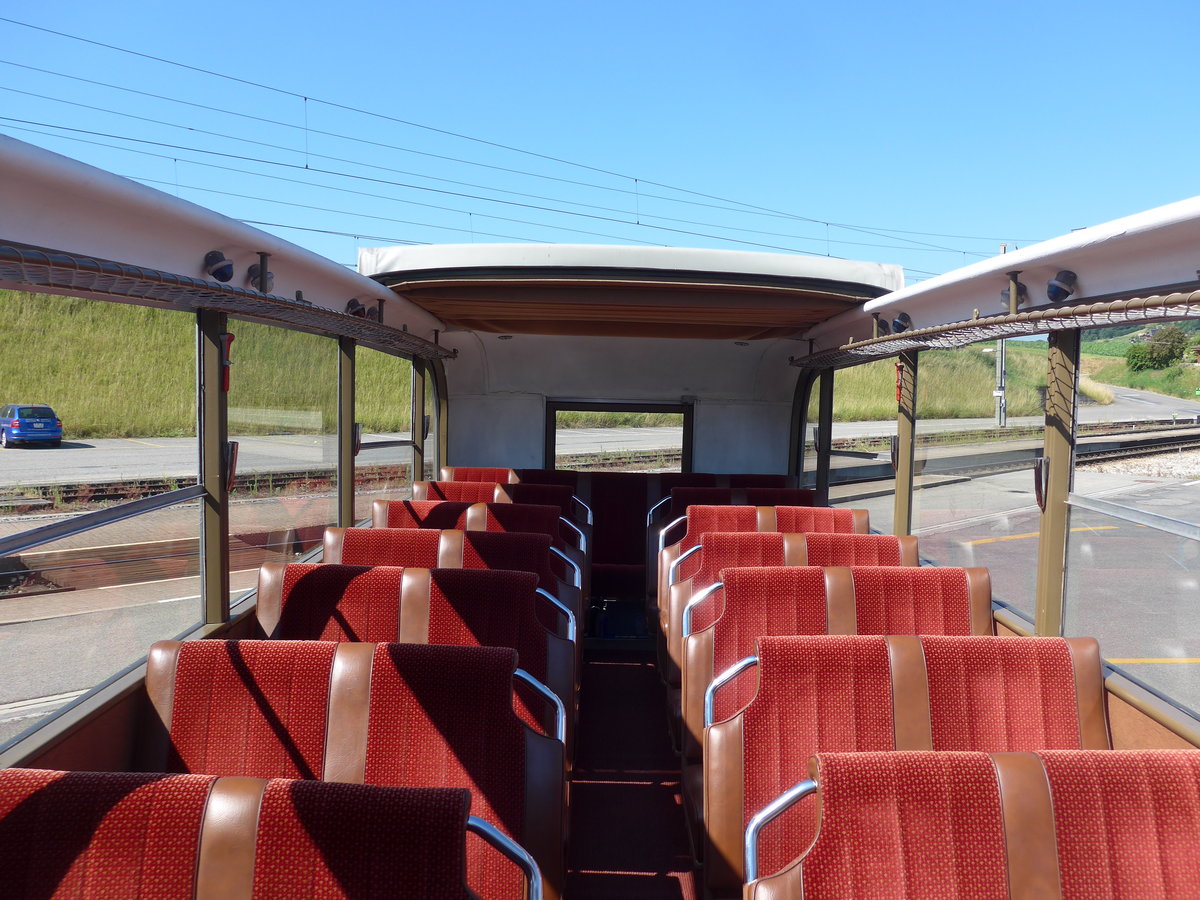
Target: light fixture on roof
point(1061, 286)
point(504, 337)
point(741, 343)
point(259, 279)
point(902, 322)
point(354, 308)
point(881, 327)
point(217, 266)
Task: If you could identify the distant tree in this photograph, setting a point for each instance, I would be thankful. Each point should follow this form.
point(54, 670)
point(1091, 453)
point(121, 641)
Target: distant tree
point(1168, 345)
point(1161, 348)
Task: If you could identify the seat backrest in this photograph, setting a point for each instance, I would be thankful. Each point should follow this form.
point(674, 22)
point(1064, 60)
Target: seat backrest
point(833, 549)
point(821, 519)
point(1049, 824)
point(882, 693)
point(814, 694)
point(559, 495)
point(384, 547)
point(91, 834)
point(390, 714)
point(718, 550)
point(921, 600)
point(477, 473)
point(754, 601)
point(459, 491)
point(490, 608)
point(418, 513)
point(329, 602)
point(779, 496)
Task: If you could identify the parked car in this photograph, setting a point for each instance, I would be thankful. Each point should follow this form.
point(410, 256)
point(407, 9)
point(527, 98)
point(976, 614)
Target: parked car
point(22, 423)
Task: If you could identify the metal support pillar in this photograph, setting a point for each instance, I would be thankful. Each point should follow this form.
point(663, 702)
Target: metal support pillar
point(212, 405)
point(824, 440)
point(418, 419)
point(441, 412)
point(345, 432)
point(904, 456)
point(1056, 471)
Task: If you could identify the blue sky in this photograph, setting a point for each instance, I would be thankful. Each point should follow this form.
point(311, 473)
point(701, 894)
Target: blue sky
point(957, 125)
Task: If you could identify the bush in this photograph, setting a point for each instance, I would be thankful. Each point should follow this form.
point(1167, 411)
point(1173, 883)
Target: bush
point(1138, 358)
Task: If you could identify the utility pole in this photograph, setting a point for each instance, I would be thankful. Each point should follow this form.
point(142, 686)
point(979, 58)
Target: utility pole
point(1001, 370)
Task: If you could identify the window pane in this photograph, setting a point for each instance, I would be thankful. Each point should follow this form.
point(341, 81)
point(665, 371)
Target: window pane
point(283, 414)
point(973, 501)
point(122, 380)
point(383, 468)
point(864, 423)
point(1133, 578)
point(75, 612)
point(615, 441)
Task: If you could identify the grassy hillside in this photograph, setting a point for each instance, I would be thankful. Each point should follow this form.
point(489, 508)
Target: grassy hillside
point(119, 370)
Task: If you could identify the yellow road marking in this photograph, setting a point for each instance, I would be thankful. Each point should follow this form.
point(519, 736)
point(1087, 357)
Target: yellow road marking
point(145, 443)
point(1172, 659)
point(1033, 534)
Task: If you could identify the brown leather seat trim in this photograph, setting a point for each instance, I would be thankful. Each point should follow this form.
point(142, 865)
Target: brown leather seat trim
point(912, 729)
point(767, 519)
point(413, 621)
point(335, 541)
point(1089, 694)
point(162, 663)
point(450, 549)
point(228, 840)
point(678, 597)
point(500, 495)
point(347, 714)
point(666, 556)
point(909, 556)
point(269, 605)
point(724, 799)
point(476, 517)
point(420, 490)
point(979, 598)
point(696, 677)
point(1028, 812)
point(795, 549)
point(379, 510)
point(841, 607)
point(862, 521)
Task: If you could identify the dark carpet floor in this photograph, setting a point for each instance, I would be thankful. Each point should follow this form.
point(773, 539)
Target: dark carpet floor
point(628, 838)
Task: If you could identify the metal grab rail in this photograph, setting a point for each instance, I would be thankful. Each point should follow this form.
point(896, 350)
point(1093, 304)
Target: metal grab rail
point(696, 600)
point(583, 547)
point(587, 510)
point(710, 693)
point(91, 521)
point(653, 509)
point(673, 568)
point(512, 850)
point(575, 567)
point(572, 625)
point(781, 803)
point(560, 711)
point(662, 533)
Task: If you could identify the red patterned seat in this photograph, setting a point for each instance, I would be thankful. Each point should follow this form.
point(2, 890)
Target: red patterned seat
point(388, 714)
point(477, 473)
point(814, 549)
point(867, 693)
point(1075, 824)
point(922, 600)
point(326, 602)
point(419, 513)
point(459, 491)
point(453, 549)
point(91, 834)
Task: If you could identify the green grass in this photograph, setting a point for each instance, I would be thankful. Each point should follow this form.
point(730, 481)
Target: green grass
point(120, 370)
point(1181, 380)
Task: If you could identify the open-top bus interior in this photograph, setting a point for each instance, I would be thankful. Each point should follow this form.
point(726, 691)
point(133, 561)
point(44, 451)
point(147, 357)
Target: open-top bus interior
point(884, 560)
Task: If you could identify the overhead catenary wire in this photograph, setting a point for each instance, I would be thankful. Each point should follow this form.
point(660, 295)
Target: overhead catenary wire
point(638, 182)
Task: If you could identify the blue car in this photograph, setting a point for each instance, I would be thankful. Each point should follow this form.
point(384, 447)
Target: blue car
point(22, 423)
